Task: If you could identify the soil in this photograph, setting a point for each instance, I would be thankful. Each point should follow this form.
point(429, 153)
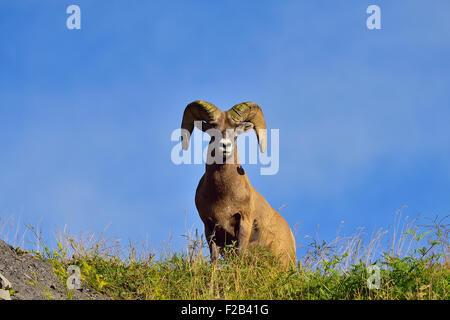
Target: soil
point(21, 269)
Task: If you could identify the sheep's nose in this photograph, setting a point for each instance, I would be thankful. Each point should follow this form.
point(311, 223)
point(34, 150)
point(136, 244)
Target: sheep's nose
point(226, 145)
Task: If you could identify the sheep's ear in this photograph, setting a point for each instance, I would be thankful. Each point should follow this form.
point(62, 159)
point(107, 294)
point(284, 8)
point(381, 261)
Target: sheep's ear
point(244, 127)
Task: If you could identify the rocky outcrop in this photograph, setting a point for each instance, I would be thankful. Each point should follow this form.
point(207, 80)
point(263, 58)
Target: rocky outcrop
point(5, 286)
point(26, 277)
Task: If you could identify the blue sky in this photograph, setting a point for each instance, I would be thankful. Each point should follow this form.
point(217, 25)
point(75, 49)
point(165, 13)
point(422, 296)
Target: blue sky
point(86, 115)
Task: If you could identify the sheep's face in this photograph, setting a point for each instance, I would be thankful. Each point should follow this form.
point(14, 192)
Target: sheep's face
point(224, 132)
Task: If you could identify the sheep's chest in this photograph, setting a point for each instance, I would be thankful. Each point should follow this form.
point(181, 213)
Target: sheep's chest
point(218, 197)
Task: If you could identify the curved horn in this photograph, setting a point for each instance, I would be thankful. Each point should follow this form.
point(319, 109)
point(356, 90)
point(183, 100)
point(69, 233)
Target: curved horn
point(251, 112)
point(197, 110)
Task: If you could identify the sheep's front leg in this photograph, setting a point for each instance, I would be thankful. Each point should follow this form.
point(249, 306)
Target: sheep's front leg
point(243, 230)
point(213, 249)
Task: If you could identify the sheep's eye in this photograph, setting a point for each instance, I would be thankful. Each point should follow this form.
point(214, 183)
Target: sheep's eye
point(206, 125)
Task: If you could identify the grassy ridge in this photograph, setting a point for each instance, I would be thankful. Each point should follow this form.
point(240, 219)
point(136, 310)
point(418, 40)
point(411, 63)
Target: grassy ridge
point(261, 278)
point(412, 264)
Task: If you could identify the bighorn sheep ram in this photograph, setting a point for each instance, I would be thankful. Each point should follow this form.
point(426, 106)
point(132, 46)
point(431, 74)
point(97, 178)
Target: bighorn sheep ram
point(232, 211)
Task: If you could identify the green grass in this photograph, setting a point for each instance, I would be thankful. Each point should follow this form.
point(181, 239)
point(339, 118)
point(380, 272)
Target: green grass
point(413, 264)
point(237, 278)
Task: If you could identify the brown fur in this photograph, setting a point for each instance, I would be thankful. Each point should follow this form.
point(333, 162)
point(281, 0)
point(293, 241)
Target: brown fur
point(234, 212)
